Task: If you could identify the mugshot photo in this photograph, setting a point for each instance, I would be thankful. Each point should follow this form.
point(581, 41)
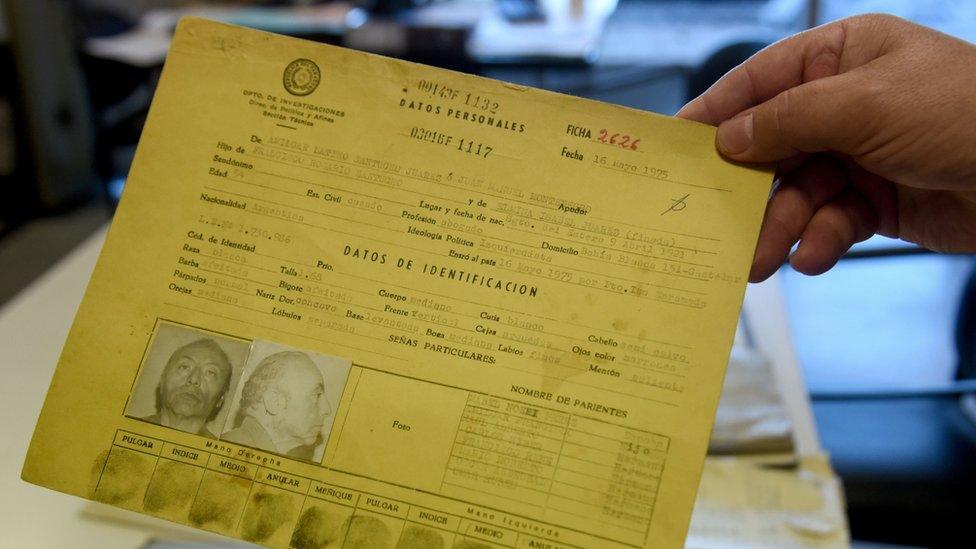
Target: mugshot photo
point(187, 379)
point(286, 402)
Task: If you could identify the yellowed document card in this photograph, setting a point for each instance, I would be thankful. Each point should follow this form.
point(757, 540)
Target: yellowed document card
point(349, 301)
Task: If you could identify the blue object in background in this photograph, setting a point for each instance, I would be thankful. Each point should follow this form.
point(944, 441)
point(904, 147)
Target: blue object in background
point(878, 324)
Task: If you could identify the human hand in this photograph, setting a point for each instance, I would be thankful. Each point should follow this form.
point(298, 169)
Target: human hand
point(872, 120)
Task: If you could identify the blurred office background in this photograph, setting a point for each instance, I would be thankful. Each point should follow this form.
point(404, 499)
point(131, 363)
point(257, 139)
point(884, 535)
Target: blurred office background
point(887, 339)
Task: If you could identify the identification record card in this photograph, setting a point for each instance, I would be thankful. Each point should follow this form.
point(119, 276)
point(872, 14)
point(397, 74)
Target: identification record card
point(349, 301)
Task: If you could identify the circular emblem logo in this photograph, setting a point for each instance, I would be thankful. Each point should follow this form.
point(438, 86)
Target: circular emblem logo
point(301, 77)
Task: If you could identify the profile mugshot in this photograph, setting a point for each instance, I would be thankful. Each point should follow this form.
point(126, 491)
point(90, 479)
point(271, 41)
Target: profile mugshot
point(287, 402)
point(195, 381)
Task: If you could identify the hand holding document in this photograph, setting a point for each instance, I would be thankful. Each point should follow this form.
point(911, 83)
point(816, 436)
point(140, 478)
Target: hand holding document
point(352, 301)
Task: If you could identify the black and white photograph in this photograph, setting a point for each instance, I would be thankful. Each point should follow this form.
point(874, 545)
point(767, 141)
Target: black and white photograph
point(287, 401)
point(187, 378)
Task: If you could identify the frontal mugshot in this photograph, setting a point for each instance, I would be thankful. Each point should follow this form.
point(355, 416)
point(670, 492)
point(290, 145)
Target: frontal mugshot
point(192, 387)
point(283, 406)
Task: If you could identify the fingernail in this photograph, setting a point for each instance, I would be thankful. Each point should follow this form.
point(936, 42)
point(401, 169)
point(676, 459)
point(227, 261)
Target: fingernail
point(735, 136)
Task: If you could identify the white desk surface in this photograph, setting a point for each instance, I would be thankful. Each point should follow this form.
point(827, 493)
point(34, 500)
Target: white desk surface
point(35, 324)
point(765, 313)
point(33, 328)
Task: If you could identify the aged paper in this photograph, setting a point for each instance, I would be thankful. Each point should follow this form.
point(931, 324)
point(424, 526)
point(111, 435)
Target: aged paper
point(348, 301)
point(751, 417)
point(745, 504)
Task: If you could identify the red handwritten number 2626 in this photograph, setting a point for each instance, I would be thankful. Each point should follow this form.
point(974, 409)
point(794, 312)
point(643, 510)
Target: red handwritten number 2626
point(620, 140)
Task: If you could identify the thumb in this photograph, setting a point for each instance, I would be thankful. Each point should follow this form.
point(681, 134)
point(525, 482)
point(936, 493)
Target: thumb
point(822, 115)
